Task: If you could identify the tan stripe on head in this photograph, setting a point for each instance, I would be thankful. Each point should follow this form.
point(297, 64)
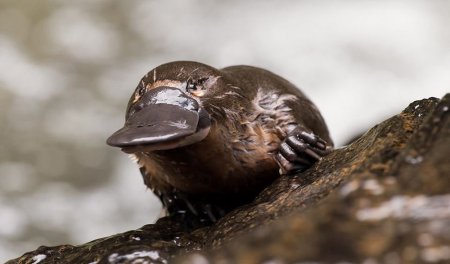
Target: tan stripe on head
point(169, 83)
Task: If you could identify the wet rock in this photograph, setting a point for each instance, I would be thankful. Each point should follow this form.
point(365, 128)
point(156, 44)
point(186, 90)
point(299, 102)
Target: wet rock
point(385, 198)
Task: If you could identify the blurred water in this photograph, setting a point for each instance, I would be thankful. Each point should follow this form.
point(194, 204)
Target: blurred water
point(67, 69)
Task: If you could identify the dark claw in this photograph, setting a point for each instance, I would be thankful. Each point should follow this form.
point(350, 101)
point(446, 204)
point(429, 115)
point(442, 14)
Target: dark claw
point(187, 203)
point(300, 150)
point(193, 211)
point(309, 138)
point(313, 140)
point(209, 212)
point(285, 165)
point(296, 143)
point(321, 145)
point(313, 154)
point(288, 152)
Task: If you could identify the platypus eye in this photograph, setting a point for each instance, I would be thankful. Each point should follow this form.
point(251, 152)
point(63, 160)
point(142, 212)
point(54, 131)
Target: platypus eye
point(196, 87)
point(191, 86)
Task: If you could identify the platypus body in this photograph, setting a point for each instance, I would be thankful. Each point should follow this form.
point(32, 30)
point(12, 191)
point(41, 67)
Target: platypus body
point(208, 140)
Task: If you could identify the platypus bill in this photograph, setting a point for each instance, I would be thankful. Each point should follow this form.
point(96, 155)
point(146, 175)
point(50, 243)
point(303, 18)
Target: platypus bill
point(208, 140)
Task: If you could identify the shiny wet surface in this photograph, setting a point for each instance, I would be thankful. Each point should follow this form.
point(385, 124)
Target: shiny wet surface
point(67, 67)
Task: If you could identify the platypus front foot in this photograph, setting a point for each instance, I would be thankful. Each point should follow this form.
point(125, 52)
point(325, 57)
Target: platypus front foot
point(300, 149)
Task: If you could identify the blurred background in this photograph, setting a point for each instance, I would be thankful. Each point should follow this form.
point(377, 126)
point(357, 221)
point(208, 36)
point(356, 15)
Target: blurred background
point(67, 69)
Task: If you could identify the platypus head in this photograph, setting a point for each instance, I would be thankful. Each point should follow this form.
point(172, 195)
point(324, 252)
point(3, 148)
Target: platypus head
point(166, 110)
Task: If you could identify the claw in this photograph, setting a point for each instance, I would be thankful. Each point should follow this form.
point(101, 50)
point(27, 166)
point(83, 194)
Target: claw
point(313, 154)
point(283, 163)
point(288, 152)
point(309, 138)
point(321, 145)
point(296, 143)
point(300, 150)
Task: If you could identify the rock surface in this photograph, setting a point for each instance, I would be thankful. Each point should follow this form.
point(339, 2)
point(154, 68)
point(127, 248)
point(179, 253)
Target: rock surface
point(385, 198)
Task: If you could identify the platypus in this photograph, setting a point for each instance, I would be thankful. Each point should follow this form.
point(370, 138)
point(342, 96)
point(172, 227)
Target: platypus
point(208, 140)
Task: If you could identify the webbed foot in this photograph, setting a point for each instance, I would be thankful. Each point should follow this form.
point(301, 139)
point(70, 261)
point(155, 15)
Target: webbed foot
point(194, 211)
point(300, 150)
